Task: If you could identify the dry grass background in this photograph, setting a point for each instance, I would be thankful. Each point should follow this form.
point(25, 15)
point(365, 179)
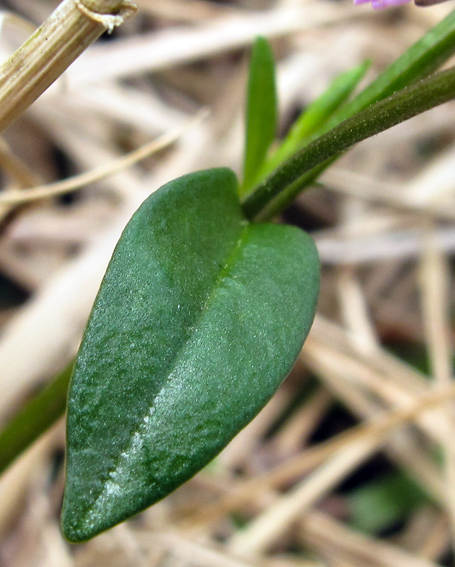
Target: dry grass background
point(355, 408)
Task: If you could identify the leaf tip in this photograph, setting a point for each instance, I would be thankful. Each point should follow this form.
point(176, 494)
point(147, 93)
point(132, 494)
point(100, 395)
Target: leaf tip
point(75, 531)
point(80, 520)
point(78, 526)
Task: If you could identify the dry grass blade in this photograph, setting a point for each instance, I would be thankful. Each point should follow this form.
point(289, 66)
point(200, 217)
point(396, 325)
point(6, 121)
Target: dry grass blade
point(370, 436)
point(13, 197)
point(435, 285)
point(174, 47)
point(319, 531)
point(365, 188)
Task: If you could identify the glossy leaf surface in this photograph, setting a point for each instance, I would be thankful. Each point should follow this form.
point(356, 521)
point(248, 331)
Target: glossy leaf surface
point(199, 318)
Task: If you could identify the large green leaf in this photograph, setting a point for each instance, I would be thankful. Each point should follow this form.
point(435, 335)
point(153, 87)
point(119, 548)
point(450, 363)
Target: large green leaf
point(199, 318)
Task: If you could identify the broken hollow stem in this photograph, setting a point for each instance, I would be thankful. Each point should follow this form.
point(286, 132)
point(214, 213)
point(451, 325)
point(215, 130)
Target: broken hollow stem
point(68, 31)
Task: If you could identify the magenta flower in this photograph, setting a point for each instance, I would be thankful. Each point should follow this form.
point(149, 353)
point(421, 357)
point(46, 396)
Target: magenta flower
point(383, 4)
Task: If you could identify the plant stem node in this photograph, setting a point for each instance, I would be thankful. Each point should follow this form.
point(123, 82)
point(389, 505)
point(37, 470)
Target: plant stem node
point(109, 21)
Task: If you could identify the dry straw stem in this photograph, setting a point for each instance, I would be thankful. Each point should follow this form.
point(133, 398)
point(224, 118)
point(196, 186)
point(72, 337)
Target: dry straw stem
point(346, 453)
point(435, 299)
point(17, 197)
point(155, 51)
point(334, 540)
point(370, 436)
point(70, 29)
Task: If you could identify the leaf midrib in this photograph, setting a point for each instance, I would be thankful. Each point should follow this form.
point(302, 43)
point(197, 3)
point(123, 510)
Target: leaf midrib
point(222, 276)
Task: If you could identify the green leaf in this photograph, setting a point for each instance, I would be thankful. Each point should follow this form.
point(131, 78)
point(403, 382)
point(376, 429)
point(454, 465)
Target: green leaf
point(380, 504)
point(421, 59)
point(261, 111)
point(316, 115)
point(287, 181)
point(199, 318)
point(40, 413)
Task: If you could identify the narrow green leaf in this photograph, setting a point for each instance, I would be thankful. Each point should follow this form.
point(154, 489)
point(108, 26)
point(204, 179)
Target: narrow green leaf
point(199, 318)
point(286, 182)
point(261, 111)
point(40, 413)
point(316, 115)
point(420, 60)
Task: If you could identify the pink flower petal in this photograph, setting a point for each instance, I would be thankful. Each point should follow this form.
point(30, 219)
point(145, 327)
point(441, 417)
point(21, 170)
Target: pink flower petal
point(383, 4)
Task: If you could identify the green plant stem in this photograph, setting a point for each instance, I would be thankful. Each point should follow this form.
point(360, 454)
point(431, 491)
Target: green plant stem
point(68, 31)
point(418, 62)
point(281, 188)
point(34, 418)
point(311, 122)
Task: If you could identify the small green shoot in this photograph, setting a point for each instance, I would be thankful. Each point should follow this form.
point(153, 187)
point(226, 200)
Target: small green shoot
point(313, 118)
point(261, 112)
